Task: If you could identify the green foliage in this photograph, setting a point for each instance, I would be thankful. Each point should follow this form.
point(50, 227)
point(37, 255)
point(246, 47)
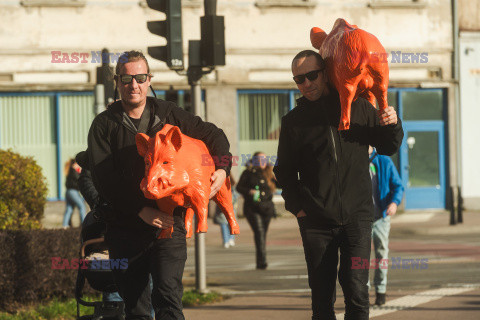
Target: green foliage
point(56, 309)
point(61, 309)
point(23, 192)
point(194, 298)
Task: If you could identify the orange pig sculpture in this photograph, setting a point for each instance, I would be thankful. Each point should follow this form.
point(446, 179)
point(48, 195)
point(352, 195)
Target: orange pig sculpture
point(176, 175)
point(356, 64)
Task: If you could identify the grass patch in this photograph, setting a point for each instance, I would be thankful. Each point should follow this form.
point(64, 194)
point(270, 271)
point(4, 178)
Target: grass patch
point(55, 309)
point(192, 298)
point(66, 309)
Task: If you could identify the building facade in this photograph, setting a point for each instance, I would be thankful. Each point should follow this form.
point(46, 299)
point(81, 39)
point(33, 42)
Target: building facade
point(46, 99)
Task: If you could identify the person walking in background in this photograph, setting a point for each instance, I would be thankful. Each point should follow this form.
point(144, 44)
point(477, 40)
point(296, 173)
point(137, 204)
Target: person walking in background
point(72, 196)
point(387, 192)
point(257, 185)
point(219, 218)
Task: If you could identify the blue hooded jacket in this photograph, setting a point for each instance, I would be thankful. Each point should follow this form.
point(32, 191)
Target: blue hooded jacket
point(390, 187)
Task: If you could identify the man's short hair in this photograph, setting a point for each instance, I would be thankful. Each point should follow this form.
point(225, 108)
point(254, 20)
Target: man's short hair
point(130, 56)
point(309, 53)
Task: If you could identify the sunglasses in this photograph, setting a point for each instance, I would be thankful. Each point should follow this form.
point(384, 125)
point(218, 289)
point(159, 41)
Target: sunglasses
point(311, 76)
point(128, 78)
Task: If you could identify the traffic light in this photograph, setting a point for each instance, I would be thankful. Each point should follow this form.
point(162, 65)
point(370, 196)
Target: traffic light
point(171, 29)
point(104, 89)
point(213, 36)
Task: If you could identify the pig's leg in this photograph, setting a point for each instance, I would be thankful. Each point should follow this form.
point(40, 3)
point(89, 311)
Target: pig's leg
point(179, 200)
point(166, 205)
point(189, 222)
point(347, 93)
point(380, 91)
point(223, 199)
point(166, 233)
point(199, 201)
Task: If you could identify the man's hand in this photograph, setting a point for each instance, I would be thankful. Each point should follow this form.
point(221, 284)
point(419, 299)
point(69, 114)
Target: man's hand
point(387, 116)
point(156, 218)
point(392, 209)
point(301, 213)
point(218, 178)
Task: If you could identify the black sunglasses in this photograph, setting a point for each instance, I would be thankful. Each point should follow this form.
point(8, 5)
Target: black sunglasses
point(128, 78)
point(311, 76)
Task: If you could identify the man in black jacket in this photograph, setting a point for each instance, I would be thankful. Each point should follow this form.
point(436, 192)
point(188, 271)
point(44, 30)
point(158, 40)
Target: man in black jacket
point(325, 182)
point(117, 170)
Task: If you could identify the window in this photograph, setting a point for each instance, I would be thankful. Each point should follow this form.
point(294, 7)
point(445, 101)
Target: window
point(181, 98)
point(259, 115)
point(49, 126)
point(422, 105)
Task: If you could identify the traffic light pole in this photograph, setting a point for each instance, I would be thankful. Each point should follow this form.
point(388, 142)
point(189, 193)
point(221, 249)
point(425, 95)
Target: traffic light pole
point(99, 102)
point(194, 75)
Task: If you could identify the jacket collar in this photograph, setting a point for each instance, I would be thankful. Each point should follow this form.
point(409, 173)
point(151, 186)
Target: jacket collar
point(151, 107)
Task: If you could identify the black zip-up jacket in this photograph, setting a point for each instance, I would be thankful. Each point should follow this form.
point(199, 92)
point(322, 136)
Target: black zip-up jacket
point(117, 168)
point(325, 171)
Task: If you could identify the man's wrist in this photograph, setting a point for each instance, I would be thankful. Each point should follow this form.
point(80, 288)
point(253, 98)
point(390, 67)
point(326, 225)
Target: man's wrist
point(226, 169)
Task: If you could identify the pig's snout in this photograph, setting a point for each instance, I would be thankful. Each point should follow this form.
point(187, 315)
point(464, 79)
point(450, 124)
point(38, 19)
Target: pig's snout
point(155, 187)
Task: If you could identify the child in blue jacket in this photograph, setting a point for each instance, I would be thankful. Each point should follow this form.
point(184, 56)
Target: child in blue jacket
point(387, 192)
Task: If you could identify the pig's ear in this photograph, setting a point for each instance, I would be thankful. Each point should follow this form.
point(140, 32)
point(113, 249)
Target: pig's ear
point(317, 36)
point(174, 135)
point(142, 143)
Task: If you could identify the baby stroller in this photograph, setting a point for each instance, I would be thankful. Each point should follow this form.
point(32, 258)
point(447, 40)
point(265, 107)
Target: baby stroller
point(92, 248)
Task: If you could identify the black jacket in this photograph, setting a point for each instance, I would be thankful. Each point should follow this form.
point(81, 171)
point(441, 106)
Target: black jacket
point(118, 169)
point(250, 178)
point(71, 182)
point(331, 187)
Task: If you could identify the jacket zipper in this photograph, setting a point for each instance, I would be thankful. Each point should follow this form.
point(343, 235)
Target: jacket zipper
point(336, 174)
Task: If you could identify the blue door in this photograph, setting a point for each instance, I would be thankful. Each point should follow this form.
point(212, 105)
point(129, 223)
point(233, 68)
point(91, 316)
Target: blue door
point(421, 160)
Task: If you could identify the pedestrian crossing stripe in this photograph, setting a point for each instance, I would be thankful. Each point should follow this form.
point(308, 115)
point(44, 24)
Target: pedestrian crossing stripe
point(413, 300)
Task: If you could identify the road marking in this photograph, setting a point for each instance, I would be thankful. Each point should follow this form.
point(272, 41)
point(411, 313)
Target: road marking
point(232, 293)
point(296, 276)
point(413, 300)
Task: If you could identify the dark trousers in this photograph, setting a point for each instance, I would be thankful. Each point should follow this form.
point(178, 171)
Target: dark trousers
point(164, 259)
point(258, 218)
point(321, 245)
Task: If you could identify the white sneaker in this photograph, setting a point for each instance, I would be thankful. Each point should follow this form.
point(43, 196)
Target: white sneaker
point(231, 243)
point(226, 245)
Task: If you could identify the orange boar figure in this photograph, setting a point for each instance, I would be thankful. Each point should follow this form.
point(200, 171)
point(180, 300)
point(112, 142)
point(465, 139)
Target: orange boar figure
point(176, 175)
point(356, 64)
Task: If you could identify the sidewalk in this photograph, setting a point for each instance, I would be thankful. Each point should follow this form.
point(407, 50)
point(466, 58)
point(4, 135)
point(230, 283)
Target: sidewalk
point(434, 223)
point(459, 303)
point(273, 294)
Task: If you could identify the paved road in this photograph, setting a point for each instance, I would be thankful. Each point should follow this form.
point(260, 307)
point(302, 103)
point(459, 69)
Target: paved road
point(449, 286)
